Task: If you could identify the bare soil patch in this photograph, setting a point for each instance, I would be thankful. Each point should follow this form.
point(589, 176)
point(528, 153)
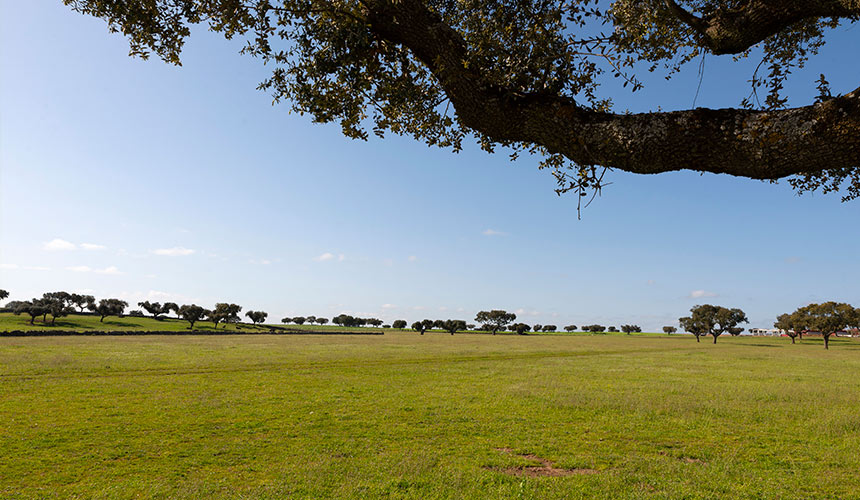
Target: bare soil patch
point(546, 468)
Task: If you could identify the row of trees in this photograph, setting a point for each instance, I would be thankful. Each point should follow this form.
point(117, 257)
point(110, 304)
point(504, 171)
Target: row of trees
point(826, 319)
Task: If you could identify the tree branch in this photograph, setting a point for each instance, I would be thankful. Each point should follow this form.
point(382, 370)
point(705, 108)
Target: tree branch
point(748, 143)
point(731, 31)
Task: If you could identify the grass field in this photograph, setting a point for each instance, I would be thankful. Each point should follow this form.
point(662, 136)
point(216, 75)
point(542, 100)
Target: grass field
point(433, 416)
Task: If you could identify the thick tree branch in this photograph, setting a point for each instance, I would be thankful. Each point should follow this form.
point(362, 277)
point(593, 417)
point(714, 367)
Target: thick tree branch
point(731, 31)
point(748, 143)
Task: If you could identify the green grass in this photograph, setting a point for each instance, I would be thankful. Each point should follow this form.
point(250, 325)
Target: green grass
point(409, 416)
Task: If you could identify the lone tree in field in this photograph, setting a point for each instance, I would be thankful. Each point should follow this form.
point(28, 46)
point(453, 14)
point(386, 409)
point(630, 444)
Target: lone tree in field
point(299, 320)
point(669, 330)
point(110, 307)
point(713, 320)
point(57, 305)
point(628, 329)
point(570, 328)
point(495, 320)
point(192, 314)
point(153, 308)
point(34, 308)
point(549, 328)
point(258, 316)
point(399, 324)
point(322, 321)
point(226, 313)
point(453, 326)
point(827, 318)
point(533, 76)
point(791, 324)
point(83, 302)
point(171, 306)
point(520, 328)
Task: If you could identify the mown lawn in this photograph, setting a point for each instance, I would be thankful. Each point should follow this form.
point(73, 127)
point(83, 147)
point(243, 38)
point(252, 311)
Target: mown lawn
point(433, 416)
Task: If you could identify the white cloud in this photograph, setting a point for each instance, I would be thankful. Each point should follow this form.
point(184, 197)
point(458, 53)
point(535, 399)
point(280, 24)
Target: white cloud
point(388, 306)
point(173, 252)
point(341, 258)
point(325, 257)
point(412, 258)
point(493, 232)
point(37, 268)
point(58, 244)
point(87, 269)
point(92, 246)
point(698, 294)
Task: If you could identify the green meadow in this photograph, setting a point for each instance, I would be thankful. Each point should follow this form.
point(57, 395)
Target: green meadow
point(433, 416)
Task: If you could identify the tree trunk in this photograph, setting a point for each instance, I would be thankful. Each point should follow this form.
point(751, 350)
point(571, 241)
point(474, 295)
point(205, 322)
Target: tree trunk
point(102, 319)
point(826, 340)
point(715, 339)
point(697, 339)
point(792, 340)
point(53, 320)
point(32, 319)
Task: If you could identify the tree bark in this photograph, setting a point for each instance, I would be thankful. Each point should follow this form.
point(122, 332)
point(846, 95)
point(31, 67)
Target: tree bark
point(748, 143)
point(826, 340)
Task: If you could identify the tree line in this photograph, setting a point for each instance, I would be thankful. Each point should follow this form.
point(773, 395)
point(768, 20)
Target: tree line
point(826, 319)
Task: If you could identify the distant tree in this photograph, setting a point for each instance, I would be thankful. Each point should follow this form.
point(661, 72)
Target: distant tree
point(537, 327)
point(154, 308)
point(734, 331)
point(374, 322)
point(137, 313)
point(439, 323)
point(669, 330)
point(470, 326)
point(299, 320)
point(171, 306)
point(56, 304)
point(496, 319)
point(713, 320)
point(226, 313)
point(322, 321)
point(34, 308)
point(594, 328)
point(399, 324)
point(612, 329)
point(286, 320)
point(827, 318)
point(310, 319)
point(386, 326)
point(348, 321)
point(3, 294)
point(549, 328)
point(258, 316)
point(789, 325)
point(192, 313)
point(520, 328)
point(570, 328)
point(83, 301)
point(110, 307)
point(694, 325)
point(628, 329)
point(453, 325)
point(418, 326)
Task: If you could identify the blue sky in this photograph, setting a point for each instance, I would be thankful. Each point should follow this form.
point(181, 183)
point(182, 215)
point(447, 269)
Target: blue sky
point(136, 179)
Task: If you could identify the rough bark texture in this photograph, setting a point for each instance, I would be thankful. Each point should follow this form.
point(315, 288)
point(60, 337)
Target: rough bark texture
point(748, 143)
point(730, 31)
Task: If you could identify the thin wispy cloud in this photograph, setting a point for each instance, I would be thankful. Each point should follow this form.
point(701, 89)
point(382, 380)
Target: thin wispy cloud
point(388, 306)
point(412, 258)
point(324, 257)
point(493, 232)
point(699, 294)
point(87, 269)
point(59, 245)
point(92, 246)
point(173, 252)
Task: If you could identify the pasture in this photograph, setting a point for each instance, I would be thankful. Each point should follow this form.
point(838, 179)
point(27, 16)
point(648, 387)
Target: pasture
point(433, 416)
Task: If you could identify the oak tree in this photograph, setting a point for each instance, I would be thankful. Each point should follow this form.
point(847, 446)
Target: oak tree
point(532, 76)
point(495, 320)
